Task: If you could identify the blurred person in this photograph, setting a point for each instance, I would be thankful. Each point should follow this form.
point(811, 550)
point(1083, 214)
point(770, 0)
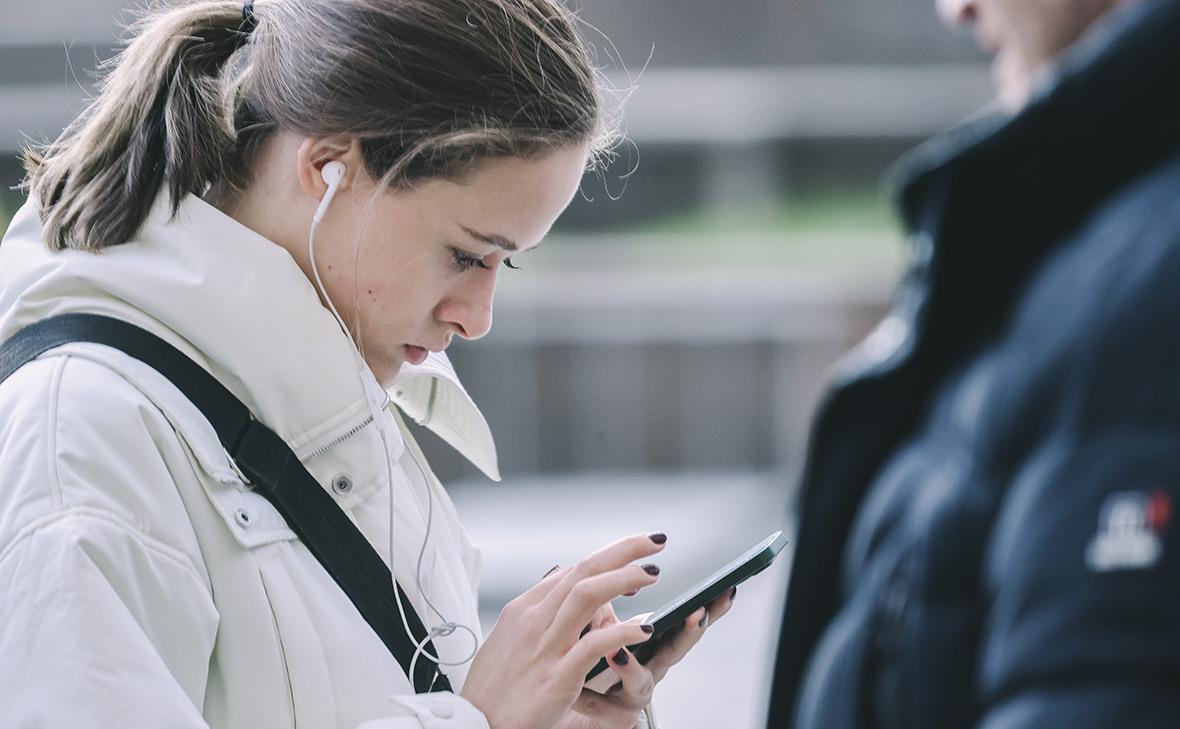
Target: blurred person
point(987, 528)
point(143, 584)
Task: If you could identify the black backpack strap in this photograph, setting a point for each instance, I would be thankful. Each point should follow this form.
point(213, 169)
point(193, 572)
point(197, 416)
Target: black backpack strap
point(272, 469)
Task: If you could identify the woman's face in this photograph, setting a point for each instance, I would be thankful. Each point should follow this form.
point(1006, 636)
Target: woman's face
point(409, 270)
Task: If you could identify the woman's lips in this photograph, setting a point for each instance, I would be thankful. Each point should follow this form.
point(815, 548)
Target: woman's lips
point(415, 355)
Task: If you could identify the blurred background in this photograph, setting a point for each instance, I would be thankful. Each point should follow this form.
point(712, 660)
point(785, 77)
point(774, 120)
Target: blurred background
point(655, 365)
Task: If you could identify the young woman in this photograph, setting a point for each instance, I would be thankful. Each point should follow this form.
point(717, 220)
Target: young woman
point(310, 198)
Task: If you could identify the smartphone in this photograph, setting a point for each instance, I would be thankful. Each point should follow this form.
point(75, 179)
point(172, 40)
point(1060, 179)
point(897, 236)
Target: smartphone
point(672, 615)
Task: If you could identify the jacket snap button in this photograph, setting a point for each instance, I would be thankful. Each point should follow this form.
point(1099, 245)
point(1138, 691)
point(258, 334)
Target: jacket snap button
point(342, 484)
point(442, 711)
point(243, 517)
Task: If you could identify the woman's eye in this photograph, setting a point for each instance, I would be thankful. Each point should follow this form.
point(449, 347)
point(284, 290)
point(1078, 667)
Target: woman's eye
point(466, 262)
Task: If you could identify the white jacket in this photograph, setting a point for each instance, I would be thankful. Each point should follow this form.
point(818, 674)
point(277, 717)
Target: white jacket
point(141, 583)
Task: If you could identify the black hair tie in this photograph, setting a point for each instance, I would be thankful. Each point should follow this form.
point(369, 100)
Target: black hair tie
point(249, 20)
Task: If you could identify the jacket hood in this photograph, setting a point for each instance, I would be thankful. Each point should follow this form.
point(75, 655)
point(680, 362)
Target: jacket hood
point(238, 304)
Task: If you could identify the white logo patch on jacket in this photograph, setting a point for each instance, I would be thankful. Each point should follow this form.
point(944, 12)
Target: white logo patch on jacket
point(1130, 531)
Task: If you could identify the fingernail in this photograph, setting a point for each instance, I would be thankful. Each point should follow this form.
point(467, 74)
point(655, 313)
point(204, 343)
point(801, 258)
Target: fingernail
point(658, 537)
point(704, 620)
point(651, 569)
point(621, 657)
point(584, 631)
point(649, 629)
point(551, 571)
point(733, 594)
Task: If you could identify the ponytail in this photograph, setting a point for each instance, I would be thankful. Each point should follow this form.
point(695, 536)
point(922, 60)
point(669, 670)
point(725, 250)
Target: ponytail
point(162, 116)
point(429, 88)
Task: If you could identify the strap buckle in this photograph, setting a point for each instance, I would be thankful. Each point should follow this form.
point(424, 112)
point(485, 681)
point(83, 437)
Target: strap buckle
point(236, 469)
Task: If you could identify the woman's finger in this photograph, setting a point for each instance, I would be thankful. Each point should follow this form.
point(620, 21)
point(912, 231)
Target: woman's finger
point(535, 594)
point(612, 557)
point(721, 605)
point(592, 703)
point(604, 617)
point(603, 642)
point(673, 649)
point(606, 709)
point(624, 699)
point(588, 596)
point(636, 682)
point(547, 582)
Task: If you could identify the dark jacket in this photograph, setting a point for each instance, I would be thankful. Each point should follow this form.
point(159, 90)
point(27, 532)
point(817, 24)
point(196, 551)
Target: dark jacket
point(986, 528)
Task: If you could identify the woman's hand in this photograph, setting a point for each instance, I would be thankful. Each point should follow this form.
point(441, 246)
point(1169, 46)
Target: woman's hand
point(531, 668)
point(619, 707)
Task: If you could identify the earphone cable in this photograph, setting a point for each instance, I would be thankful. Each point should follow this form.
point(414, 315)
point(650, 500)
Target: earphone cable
point(447, 627)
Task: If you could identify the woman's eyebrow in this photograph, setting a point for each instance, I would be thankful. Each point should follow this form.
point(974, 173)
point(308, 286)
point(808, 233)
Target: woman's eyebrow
point(494, 240)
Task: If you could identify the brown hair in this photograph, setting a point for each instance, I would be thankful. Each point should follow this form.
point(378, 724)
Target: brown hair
point(428, 87)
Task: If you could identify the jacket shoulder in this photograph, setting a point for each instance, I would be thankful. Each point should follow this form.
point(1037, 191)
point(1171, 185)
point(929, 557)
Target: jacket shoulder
point(1097, 325)
point(75, 434)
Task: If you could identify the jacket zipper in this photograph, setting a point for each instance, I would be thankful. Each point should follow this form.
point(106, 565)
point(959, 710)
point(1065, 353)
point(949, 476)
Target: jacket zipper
point(346, 434)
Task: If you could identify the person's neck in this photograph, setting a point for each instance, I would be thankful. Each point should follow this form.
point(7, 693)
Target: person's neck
point(266, 204)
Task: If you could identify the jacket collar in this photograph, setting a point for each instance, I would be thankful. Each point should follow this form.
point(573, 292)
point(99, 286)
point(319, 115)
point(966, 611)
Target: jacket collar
point(1106, 114)
point(239, 304)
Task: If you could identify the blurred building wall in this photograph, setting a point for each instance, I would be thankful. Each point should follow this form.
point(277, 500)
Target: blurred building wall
point(630, 371)
point(735, 105)
point(48, 51)
point(776, 32)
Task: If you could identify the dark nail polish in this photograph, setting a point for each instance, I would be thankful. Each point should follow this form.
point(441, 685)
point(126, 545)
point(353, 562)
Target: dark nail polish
point(584, 631)
point(704, 621)
point(651, 569)
point(621, 657)
point(732, 594)
point(658, 537)
point(649, 629)
point(552, 569)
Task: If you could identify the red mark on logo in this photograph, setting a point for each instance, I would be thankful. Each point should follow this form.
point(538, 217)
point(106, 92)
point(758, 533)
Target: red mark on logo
point(1159, 511)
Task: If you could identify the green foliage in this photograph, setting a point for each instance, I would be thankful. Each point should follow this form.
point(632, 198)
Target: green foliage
point(843, 232)
point(861, 210)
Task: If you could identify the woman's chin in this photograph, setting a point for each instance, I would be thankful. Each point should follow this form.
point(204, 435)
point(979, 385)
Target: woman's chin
point(385, 369)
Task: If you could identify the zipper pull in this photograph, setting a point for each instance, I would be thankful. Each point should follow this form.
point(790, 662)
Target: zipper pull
point(376, 397)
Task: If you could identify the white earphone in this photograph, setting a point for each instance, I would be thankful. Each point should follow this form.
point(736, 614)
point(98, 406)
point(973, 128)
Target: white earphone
point(332, 174)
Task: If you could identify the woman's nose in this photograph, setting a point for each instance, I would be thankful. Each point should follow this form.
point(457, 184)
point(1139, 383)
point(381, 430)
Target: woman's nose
point(956, 12)
point(469, 311)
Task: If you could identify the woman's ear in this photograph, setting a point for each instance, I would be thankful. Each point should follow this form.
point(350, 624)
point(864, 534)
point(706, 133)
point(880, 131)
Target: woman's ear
point(315, 152)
